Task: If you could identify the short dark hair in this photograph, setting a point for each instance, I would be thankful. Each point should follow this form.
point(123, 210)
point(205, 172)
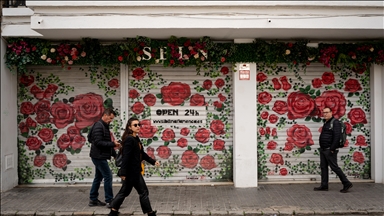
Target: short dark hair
point(327, 108)
point(109, 111)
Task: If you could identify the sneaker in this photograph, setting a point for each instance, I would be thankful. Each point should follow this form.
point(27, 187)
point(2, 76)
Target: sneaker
point(346, 188)
point(108, 205)
point(96, 203)
point(321, 188)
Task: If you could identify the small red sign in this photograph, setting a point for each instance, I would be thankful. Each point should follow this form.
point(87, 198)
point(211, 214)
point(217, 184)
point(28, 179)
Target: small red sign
point(245, 74)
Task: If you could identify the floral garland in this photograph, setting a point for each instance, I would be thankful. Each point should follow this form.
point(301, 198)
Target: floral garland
point(181, 52)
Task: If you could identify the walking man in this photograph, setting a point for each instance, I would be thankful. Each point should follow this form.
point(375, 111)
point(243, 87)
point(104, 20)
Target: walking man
point(102, 149)
point(329, 142)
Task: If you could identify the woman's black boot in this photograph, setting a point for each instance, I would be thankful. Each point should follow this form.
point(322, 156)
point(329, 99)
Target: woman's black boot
point(113, 213)
point(153, 213)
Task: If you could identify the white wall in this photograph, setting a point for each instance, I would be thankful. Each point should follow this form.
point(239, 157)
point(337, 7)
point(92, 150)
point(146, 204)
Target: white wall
point(8, 126)
point(244, 128)
point(377, 119)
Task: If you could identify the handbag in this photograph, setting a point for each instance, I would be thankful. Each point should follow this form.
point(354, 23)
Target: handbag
point(119, 158)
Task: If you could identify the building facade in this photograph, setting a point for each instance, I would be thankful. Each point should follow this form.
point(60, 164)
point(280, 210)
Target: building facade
point(243, 121)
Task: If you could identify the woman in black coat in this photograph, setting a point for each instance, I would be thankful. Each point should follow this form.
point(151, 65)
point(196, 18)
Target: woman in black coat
point(130, 171)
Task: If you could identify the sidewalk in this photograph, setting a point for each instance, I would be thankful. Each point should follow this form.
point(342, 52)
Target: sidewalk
point(267, 199)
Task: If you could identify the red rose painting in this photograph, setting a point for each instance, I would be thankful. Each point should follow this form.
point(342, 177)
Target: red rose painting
point(352, 85)
point(39, 160)
point(42, 105)
point(358, 157)
point(23, 127)
point(33, 143)
point(264, 97)
point(64, 141)
point(300, 105)
point(217, 127)
point(300, 136)
point(37, 92)
point(164, 152)
point(78, 142)
point(224, 70)
point(280, 107)
point(42, 117)
point(138, 74)
point(276, 159)
point(63, 114)
point(133, 94)
point(328, 78)
point(60, 160)
point(219, 83)
point(208, 162)
point(184, 131)
point(182, 142)
point(50, 91)
point(264, 115)
point(168, 135)
point(137, 108)
point(26, 80)
point(45, 134)
point(261, 77)
point(285, 83)
point(283, 171)
point(147, 130)
point(271, 145)
point(317, 83)
point(202, 135)
point(151, 152)
point(175, 93)
point(273, 118)
point(149, 99)
point(27, 108)
point(113, 83)
point(360, 141)
point(276, 84)
point(207, 84)
point(197, 100)
point(88, 109)
point(334, 100)
point(357, 116)
point(218, 144)
point(189, 159)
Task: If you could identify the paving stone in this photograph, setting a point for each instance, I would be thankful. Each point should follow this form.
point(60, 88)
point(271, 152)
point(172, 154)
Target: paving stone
point(29, 213)
point(216, 212)
point(200, 213)
point(83, 213)
point(235, 212)
point(178, 213)
point(304, 212)
point(63, 213)
point(8, 213)
point(45, 213)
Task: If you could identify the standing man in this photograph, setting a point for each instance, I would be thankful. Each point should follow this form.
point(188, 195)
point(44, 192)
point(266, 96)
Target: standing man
point(329, 142)
point(102, 149)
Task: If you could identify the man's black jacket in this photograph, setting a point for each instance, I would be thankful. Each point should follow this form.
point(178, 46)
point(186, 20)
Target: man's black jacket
point(102, 146)
point(330, 138)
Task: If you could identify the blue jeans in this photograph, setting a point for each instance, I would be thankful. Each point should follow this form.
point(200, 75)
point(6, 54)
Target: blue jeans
point(102, 171)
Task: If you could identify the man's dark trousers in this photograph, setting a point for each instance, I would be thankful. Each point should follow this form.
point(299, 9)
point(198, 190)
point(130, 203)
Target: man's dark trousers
point(330, 159)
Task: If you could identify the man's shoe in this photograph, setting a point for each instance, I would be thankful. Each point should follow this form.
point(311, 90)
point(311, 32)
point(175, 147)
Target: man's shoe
point(108, 205)
point(346, 188)
point(320, 188)
point(96, 203)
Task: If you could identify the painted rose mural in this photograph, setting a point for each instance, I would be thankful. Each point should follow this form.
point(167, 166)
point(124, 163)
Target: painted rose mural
point(193, 139)
point(290, 120)
point(54, 120)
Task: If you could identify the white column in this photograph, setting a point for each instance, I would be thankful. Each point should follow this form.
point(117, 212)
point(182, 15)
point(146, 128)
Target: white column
point(244, 128)
point(377, 119)
point(8, 126)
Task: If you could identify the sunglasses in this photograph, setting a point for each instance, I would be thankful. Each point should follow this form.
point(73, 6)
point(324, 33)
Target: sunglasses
point(136, 125)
